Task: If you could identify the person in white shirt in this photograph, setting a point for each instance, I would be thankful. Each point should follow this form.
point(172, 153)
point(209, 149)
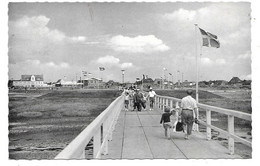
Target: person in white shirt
point(151, 95)
point(126, 100)
point(131, 94)
point(188, 110)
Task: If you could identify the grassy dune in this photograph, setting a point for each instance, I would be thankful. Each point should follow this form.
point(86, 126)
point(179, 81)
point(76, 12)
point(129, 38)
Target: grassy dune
point(40, 126)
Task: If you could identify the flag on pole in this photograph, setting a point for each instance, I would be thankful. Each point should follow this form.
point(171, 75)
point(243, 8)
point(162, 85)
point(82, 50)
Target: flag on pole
point(101, 68)
point(85, 73)
point(209, 39)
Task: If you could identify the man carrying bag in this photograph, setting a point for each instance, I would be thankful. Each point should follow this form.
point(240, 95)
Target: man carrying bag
point(188, 110)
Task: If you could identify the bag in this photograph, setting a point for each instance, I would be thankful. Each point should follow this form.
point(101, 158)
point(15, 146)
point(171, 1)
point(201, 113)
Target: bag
point(179, 126)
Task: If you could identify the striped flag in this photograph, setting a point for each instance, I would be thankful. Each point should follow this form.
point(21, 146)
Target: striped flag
point(101, 68)
point(209, 39)
point(85, 73)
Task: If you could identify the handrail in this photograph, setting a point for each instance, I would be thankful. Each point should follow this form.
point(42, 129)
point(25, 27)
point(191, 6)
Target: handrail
point(164, 101)
point(103, 125)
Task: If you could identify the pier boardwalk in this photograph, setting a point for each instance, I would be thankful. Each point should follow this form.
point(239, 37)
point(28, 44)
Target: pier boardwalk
point(138, 135)
point(120, 134)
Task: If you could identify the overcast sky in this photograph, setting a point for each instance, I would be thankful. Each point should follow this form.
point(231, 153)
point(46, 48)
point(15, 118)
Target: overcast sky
point(62, 39)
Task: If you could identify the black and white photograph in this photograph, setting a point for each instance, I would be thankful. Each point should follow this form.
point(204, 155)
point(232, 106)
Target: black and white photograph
point(129, 80)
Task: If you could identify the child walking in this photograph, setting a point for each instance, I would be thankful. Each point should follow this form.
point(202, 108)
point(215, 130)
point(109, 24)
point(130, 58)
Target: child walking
point(166, 121)
point(126, 101)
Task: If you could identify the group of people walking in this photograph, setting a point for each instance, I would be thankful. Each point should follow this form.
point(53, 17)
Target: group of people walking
point(187, 113)
point(137, 100)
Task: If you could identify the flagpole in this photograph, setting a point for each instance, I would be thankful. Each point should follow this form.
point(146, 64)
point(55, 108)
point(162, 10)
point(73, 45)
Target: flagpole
point(99, 76)
point(81, 76)
point(197, 66)
point(196, 127)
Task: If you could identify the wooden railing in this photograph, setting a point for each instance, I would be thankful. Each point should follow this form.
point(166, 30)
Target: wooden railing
point(164, 101)
point(100, 131)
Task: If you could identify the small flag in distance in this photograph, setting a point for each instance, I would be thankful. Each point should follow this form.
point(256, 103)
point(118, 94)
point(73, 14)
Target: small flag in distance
point(101, 68)
point(85, 73)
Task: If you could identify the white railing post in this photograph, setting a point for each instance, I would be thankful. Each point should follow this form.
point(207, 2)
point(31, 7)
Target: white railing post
point(105, 149)
point(160, 103)
point(105, 139)
point(231, 131)
point(177, 108)
point(177, 105)
point(171, 104)
point(155, 101)
point(110, 132)
point(96, 143)
point(208, 121)
point(163, 101)
point(83, 156)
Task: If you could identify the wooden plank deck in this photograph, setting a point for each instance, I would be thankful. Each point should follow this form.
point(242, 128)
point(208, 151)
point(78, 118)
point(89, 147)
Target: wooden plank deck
point(138, 135)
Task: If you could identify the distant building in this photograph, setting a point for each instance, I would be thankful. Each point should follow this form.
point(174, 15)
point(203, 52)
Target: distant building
point(217, 83)
point(94, 83)
point(157, 82)
point(203, 84)
point(246, 82)
point(112, 84)
point(63, 83)
point(29, 81)
point(127, 84)
point(147, 83)
point(187, 83)
point(234, 80)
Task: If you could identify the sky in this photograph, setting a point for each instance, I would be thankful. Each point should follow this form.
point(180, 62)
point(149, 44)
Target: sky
point(60, 40)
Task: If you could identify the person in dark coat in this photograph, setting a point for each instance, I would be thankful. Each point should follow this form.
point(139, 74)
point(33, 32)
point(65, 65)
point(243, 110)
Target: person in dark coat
point(137, 99)
point(166, 121)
